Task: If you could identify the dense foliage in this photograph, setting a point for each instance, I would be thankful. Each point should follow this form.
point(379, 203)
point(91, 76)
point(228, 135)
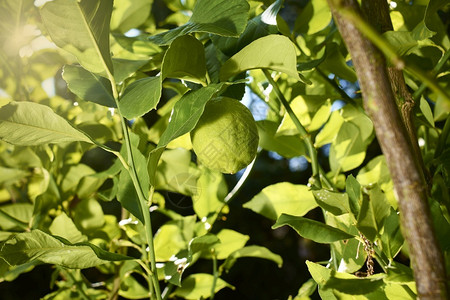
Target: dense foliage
point(102, 193)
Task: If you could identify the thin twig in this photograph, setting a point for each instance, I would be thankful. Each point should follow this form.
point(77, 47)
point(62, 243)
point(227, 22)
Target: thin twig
point(303, 133)
point(215, 274)
point(139, 190)
point(341, 92)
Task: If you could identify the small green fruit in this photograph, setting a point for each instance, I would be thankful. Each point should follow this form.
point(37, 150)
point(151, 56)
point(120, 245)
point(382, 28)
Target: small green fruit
point(226, 137)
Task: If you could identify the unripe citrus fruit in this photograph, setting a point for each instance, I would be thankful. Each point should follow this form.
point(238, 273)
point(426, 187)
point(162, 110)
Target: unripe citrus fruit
point(226, 137)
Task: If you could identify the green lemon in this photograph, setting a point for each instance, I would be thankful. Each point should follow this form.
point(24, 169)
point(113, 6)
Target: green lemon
point(226, 137)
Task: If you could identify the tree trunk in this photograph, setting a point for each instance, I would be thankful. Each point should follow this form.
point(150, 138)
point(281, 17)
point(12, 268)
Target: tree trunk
point(410, 187)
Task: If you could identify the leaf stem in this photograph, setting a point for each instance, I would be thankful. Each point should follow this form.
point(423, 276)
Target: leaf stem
point(144, 208)
point(148, 277)
point(167, 291)
point(215, 274)
point(327, 181)
point(138, 187)
point(303, 133)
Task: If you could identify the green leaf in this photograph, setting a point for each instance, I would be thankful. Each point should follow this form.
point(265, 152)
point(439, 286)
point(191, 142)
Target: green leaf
point(425, 109)
point(404, 42)
point(81, 27)
point(202, 243)
point(186, 113)
point(8, 175)
point(124, 68)
point(392, 239)
point(45, 63)
point(73, 175)
point(140, 46)
point(274, 52)
point(374, 209)
point(427, 28)
point(185, 59)
point(261, 25)
point(332, 284)
point(177, 173)
point(174, 269)
point(347, 253)
point(353, 190)
point(286, 146)
point(230, 241)
point(128, 14)
point(89, 185)
point(64, 227)
point(356, 116)
point(222, 17)
point(251, 251)
point(320, 116)
point(335, 203)
point(173, 236)
point(39, 183)
point(140, 97)
point(441, 224)
point(88, 86)
point(355, 285)
point(376, 171)
point(97, 131)
point(22, 212)
point(401, 291)
point(330, 130)
point(140, 163)
point(13, 14)
point(313, 18)
point(10, 273)
point(307, 289)
point(198, 286)
point(88, 215)
point(37, 245)
point(347, 150)
point(210, 193)
point(335, 63)
point(127, 196)
point(30, 124)
point(319, 273)
point(130, 287)
point(398, 273)
point(311, 110)
point(214, 58)
point(25, 156)
point(280, 198)
point(313, 230)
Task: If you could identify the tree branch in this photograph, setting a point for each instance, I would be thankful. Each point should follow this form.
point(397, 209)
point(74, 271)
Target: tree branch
point(379, 102)
point(377, 14)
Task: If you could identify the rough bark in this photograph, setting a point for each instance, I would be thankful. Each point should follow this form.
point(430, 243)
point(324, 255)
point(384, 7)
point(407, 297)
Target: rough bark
point(410, 187)
point(377, 14)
